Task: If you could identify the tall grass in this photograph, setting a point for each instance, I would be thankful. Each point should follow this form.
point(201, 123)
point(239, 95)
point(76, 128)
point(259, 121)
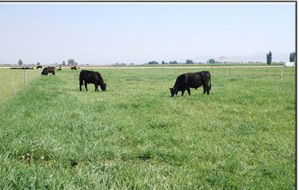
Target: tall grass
point(134, 136)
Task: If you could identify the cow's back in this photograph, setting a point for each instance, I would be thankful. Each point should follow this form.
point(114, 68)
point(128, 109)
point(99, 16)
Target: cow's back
point(88, 76)
point(84, 75)
point(51, 70)
point(194, 80)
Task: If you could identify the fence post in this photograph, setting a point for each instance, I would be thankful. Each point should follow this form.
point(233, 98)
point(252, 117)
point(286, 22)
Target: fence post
point(281, 74)
point(227, 71)
point(13, 85)
point(25, 77)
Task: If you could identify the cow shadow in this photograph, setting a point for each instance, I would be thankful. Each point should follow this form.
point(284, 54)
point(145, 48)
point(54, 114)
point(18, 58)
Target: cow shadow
point(83, 90)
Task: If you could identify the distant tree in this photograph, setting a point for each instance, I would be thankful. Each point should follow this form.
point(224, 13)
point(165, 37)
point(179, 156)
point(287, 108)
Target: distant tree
point(71, 62)
point(189, 61)
point(20, 62)
point(153, 62)
point(211, 61)
point(38, 63)
point(293, 57)
point(76, 63)
point(269, 58)
point(163, 62)
point(63, 62)
point(173, 62)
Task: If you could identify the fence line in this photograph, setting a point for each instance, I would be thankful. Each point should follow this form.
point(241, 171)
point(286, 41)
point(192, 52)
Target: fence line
point(13, 85)
point(182, 67)
point(13, 81)
point(25, 77)
point(281, 73)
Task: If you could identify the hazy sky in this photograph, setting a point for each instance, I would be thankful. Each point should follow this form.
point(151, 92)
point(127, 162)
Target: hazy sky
point(106, 33)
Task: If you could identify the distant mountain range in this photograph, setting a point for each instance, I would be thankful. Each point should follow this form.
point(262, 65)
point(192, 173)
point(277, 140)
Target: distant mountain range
point(258, 57)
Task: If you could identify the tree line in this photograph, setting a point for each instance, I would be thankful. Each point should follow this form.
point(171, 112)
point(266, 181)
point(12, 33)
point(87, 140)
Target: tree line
point(188, 61)
point(72, 62)
point(292, 58)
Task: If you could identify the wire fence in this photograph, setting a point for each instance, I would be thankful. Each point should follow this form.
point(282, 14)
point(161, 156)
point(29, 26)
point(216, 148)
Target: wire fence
point(280, 72)
point(13, 81)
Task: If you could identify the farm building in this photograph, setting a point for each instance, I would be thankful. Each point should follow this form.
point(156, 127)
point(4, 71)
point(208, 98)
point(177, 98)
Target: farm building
point(289, 64)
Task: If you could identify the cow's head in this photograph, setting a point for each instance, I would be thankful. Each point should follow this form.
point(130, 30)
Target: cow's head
point(103, 86)
point(172, 91)
point(45, 71)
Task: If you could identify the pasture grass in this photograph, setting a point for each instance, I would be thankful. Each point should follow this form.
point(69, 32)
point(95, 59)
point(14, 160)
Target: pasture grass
point(135, 136)
point(12, 81)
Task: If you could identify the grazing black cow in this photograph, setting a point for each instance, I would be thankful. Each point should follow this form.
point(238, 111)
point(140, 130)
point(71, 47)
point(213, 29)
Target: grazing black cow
point(39, 67)
point(74, 68)
point(192, 80)
point(59, 69)
point(92, 77)
point(48, 70)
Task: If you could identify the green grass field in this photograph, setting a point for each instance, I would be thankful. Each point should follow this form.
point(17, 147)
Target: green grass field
point(135, 136)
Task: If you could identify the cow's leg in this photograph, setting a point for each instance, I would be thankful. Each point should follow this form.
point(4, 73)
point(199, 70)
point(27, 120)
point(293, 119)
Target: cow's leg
point(80, 84)
point(206, 88)
point(189, 92)
point(85, 84)
point(183, 91)
point(96, 87)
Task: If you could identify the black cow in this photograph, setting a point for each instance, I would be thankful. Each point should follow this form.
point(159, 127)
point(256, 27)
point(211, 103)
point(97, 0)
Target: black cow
point(48, 70)
point(91, 77)
point(192, 80)
point(39, 67)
